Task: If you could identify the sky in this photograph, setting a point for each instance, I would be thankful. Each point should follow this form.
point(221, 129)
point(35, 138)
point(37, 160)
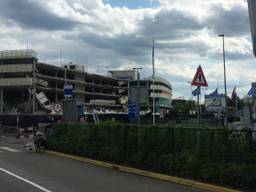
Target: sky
point(117, 34)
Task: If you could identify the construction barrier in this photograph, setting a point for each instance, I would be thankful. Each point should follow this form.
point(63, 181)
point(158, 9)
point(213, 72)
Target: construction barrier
point(25, 135)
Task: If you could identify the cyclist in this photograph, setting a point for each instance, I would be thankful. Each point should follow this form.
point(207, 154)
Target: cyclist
point(40, 137)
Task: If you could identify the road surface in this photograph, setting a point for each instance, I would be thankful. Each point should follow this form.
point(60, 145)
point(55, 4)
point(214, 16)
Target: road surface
point(22, 170)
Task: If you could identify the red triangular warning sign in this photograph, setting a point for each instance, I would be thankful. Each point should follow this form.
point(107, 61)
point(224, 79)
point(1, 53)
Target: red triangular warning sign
point(199, 78)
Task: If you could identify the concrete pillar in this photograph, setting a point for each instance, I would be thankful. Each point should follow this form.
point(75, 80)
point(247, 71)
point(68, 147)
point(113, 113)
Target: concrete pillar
point(34, 86)
point(2, 99)
point(84, 88)
point(56, 86)
point(1, 95)
point(93, 88)
point(149, 91)
point(93, 93)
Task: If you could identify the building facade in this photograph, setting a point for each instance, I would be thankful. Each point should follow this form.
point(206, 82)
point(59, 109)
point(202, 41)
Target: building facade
point(144, 91)
point(29, 86)
point(161, 90)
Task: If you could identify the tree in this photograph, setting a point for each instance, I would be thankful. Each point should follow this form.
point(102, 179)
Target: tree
point(184, 106)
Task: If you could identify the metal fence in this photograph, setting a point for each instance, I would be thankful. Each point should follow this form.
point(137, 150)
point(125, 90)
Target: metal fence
point(216, 144)
point(19, 53)
point(7, 130)
point(221, 156)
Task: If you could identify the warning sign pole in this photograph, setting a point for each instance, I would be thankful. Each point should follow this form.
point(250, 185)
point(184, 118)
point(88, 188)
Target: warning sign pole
point(198, 107)
point(199, 80)
point(198, 133)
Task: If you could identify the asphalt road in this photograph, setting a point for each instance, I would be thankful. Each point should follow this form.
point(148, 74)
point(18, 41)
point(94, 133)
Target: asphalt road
point(22, 170)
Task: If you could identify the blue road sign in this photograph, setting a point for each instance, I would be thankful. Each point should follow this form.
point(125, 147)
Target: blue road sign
point(133, 111)
point(68, 91)
point(80, 109)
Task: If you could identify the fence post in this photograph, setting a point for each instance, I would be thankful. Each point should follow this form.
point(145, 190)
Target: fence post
point(122, 142)
point(250, 139)
point(169, 139)
point(198, 137)
point(173, 143)
point(137, 138)
point(140, 133)
point(181, 139)
point(212, 141)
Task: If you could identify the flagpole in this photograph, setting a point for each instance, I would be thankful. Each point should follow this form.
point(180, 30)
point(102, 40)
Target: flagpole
point(234, 96)
point(153, 78)
point(236, 107)
point(225, 80)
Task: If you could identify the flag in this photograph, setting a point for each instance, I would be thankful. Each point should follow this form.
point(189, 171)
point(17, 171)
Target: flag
point(233, 96)
point(196, 91)
point(251, 92)
point(214, 94)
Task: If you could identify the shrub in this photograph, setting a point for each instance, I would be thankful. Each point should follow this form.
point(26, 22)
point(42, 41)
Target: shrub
point(222, 156)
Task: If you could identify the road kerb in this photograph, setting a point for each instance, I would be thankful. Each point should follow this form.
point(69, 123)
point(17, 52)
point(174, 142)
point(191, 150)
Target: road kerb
point(162, 177)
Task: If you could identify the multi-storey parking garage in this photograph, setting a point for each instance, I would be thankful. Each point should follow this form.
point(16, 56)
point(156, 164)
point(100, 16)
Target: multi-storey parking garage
point(29, 86)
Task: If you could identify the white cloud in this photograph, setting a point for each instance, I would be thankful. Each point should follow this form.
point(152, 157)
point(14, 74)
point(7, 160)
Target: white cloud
point(95, 33)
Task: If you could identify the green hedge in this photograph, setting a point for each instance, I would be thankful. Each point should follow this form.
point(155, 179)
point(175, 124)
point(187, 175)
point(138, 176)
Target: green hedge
point(222, 156)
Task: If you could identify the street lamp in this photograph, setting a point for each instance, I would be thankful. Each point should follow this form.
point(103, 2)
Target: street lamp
point(225, 81)
point(189, 82)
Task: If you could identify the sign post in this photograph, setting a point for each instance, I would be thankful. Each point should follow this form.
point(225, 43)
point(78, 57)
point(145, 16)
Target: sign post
point(57, 107)
point(198, 107)
point(69, 106)
point(199, 80)
point(132, 110)
point(68, 91)
point(80, 110)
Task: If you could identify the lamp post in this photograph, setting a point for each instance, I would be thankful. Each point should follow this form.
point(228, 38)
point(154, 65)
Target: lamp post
point(225, 81)
point(189, 82)
point(138, 93)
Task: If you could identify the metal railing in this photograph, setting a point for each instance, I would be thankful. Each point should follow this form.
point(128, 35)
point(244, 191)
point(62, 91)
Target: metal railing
point(19, 53)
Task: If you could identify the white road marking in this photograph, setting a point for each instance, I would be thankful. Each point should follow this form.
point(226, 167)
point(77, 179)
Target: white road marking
point(25, 180)
point(10, 149)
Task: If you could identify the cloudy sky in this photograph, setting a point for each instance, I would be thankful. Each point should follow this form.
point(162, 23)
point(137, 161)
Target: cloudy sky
point(117, 34)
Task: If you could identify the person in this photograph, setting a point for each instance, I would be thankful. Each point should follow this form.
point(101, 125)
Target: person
point(95, 117)
point(39, 141)
point(40, 137)
point(82, 120)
